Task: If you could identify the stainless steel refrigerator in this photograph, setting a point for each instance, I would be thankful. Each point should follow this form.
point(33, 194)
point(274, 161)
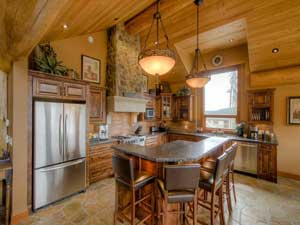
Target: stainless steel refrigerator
point(59, 151)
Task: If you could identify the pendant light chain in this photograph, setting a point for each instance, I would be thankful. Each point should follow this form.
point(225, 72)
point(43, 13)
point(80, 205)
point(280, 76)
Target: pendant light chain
point(156, 60)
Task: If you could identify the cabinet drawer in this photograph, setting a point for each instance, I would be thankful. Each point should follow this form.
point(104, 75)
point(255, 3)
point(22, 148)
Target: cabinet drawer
point(74, 91)
point(46, 88)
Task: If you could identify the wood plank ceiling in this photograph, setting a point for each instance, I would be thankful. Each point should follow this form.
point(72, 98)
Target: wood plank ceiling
point(89, 16)
point(269, 24)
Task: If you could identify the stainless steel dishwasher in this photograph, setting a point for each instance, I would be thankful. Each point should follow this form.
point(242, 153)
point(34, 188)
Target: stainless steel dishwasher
point(246, 157)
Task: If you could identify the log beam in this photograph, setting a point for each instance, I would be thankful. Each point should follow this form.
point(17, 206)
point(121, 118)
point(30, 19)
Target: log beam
point(22, 26)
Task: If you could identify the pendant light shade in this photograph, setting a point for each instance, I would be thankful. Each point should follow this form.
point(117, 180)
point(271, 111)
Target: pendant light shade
point(196, 78)
point(157, 61)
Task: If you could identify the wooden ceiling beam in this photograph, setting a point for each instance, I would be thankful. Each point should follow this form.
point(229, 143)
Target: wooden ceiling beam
point(23, 25)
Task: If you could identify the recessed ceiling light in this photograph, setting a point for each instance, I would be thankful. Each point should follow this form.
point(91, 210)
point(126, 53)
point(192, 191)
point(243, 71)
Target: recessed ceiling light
point(90, 39)
point(231, 40)
point(65, 26)
point(275, 50)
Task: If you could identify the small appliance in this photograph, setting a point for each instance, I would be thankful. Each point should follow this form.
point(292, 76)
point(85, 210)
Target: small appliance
point(103, 132)
point(150, 113)
point(254, 133)
point(154, 129)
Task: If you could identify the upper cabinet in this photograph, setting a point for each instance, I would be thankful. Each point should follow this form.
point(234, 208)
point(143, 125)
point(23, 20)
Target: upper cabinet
point(166, 106)
point(97, 104)
point(57, 88)
point(158, 108)
point(261, 105)
point(183, 108)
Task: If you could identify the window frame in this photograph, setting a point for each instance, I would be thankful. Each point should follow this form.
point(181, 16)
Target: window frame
point(237, 116)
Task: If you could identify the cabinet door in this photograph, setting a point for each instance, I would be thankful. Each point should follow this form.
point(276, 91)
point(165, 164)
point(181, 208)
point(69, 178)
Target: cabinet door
point(267, 162)
point(97, 106)
point(74, 91)
point(47, 88)
point(100, 162)
point(152, 141)
point(167, 107)
point(158, 108)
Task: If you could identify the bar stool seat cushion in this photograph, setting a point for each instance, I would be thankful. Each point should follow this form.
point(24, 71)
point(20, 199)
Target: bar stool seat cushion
point(175, 196)
point(141, 179)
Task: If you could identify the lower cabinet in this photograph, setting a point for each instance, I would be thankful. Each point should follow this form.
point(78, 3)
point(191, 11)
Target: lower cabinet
point(267, 162)
point(184, 137)
point(100, 162)
point(155, 140)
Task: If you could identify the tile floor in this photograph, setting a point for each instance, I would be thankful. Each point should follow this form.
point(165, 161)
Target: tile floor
point(259, 203)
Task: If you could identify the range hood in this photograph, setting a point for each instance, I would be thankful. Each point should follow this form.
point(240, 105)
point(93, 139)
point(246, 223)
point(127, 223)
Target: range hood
point(126, 104)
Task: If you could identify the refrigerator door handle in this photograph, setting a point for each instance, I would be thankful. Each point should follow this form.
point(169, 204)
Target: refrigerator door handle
point(66, 138)
point(62, 166)
point(60, 141)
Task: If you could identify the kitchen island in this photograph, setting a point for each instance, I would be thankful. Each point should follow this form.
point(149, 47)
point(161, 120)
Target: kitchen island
point(153, 159)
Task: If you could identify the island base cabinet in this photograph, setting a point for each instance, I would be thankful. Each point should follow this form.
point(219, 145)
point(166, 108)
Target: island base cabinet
point(100, 163)
point(267, 162)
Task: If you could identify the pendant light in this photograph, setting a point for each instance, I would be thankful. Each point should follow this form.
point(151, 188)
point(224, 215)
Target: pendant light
point(196, 78)
point(157, 61)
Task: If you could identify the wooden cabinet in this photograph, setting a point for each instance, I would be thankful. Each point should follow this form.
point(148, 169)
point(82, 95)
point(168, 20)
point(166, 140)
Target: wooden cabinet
point(57, 88)
point(183, 108)
point(267, 162)
point(156, 140)
point(166, 106)
point(100, 162)
point(184, 137)
point(261, 105)
point(97, 105)
point(74, 91)
point(47, 88)
point(158, 108)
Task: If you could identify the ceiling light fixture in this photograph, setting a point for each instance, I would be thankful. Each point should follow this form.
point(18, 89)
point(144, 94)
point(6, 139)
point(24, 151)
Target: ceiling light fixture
point(231, 40)
point(275, 50)
point(157, 61)
point(196, 78)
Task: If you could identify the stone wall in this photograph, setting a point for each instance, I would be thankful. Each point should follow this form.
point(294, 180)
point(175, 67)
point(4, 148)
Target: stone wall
point(3, 110)
point(124, 76)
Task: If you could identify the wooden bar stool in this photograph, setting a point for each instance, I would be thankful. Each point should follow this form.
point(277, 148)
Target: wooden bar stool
point(230, 185)
point(211, 181)
point(180, 186)
point(133, 181)
point(210, 164)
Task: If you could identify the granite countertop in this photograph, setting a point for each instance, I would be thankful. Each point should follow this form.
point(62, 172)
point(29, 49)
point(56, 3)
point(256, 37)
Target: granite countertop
point(228, 136)
point(176, 151)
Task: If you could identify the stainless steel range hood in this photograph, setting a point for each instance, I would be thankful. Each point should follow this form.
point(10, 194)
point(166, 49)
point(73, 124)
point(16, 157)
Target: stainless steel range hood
point(126, 104)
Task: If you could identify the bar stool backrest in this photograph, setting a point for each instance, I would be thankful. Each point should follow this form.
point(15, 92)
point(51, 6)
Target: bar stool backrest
point(231, 153)
point(182, 177)
point(123, 167)
point(222, 164)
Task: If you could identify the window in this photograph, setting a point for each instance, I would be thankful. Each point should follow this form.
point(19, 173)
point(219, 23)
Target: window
point(221, 100)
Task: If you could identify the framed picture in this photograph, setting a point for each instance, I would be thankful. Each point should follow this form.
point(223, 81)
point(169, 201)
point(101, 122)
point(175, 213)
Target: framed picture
point(293, 110)
point(145, 84)
point(90, 69)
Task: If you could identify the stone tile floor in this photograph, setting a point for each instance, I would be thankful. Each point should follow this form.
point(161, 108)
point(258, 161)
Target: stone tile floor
point(259, 203)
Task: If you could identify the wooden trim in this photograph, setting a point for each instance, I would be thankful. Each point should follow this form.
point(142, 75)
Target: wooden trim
point(289, 175)
point(19, 217)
